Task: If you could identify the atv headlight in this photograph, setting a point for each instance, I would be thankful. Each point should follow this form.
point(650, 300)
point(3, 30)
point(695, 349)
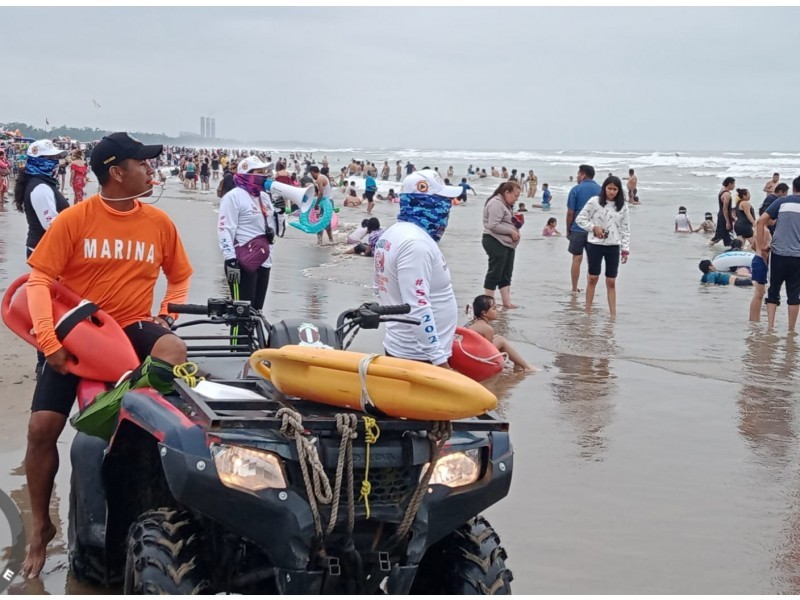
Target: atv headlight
point(247, 469)
point(457, 469)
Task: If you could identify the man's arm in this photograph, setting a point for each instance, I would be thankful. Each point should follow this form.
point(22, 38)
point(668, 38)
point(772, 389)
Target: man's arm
point(43, 201)
point(572, 201)
point(226, 227)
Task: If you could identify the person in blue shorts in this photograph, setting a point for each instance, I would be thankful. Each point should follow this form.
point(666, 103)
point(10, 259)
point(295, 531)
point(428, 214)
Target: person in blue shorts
point(713, 277)
point(579, 195)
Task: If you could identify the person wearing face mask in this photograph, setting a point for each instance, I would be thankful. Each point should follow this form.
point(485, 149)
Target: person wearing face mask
point(245, 235)
point(36, 192)
point(411, 269)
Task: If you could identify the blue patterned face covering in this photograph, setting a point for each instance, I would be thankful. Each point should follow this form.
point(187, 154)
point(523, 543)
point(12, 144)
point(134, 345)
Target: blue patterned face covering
point(429, 212)
point(41, 166)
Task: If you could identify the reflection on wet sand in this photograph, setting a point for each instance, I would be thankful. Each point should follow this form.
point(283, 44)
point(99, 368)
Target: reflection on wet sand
point(584, 384)
point(766, 400)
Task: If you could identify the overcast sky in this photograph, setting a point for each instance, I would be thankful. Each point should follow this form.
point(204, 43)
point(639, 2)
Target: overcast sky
point(447, 78)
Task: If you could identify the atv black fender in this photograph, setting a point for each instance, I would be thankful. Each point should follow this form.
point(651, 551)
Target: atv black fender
point(88, 515)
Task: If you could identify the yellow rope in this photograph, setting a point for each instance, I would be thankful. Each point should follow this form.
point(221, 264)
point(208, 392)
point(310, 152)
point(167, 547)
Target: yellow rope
point(188, 372)
point(371, 434)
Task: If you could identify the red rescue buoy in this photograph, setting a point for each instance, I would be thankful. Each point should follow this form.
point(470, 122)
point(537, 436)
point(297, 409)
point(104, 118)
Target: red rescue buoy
point(475, 356)
point(102, 350)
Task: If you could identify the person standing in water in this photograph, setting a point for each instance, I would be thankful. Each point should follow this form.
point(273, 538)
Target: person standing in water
point(769, 187)
point(579, 195)
point(633, 184)
point(324, 190)
point(606, 219)
point(724, 217)
point(500, 240)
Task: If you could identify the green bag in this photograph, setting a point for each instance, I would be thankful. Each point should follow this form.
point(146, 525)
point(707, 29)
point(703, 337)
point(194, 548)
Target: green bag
point(100, 417)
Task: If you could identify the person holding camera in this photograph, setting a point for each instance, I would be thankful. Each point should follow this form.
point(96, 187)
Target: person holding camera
point(607, 221)
point(245, 235)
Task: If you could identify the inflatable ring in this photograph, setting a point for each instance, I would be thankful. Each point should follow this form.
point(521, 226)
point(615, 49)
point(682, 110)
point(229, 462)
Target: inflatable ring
point(732, 260)
point(315, 214)
point(305, 223)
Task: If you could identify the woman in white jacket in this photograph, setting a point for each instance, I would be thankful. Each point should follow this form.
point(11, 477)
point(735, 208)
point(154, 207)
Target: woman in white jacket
point(246, 215)
point(607, 220)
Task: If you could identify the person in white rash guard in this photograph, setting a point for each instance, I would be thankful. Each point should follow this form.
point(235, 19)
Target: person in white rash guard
point(245, 213)
point(36, 191)
point(410, 268)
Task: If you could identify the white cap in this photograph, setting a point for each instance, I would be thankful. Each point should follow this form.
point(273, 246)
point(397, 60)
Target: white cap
point(45, 148)
point(251, 163)
point(429, 182)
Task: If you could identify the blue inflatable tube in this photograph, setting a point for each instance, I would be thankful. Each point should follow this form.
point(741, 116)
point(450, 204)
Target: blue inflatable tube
point(305, 224)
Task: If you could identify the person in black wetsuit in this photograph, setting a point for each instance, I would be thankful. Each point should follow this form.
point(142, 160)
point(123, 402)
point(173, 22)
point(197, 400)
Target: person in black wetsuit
point(745, 217)
point(724, 217)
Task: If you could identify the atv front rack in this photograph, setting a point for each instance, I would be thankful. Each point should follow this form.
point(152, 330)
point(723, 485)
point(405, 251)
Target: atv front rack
point(246, 413)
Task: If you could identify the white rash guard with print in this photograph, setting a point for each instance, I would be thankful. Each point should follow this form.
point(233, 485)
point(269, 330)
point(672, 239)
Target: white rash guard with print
point(410, 268)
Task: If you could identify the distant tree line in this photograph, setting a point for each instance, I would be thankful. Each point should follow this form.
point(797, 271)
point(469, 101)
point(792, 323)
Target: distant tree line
point(82, 134)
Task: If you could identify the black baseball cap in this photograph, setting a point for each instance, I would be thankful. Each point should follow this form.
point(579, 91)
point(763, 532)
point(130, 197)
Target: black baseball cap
point(115, 148)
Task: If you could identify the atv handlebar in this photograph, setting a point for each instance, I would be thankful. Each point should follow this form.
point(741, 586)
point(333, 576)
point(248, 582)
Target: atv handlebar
point(392, 309)
point(188, 309)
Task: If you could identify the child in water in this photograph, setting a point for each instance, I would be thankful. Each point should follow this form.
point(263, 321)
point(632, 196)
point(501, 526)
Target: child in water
point(550, 229)
point(707, 226)
point(682, 224)
point(485, 310)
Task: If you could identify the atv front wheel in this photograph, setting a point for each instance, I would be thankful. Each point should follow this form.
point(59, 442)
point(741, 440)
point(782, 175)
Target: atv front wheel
point(468, 561)
point(164, 555)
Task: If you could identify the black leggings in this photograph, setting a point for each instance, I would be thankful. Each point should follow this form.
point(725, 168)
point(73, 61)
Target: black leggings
point(501, 263)
point(596, 253)
point(784, 269)
point(253, 287)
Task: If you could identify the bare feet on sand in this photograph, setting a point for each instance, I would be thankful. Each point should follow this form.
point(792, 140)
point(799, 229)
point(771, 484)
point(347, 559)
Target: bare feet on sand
point(37, 551)
point(510, 306)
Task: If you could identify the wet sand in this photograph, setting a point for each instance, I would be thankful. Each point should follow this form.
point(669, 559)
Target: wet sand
point(653, 455)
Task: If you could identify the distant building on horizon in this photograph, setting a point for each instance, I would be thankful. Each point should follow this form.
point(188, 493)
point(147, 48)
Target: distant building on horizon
point(208, 126)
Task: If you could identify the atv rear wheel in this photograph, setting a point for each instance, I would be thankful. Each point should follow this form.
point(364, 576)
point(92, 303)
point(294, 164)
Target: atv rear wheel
point(164, 555)
point(468, 561)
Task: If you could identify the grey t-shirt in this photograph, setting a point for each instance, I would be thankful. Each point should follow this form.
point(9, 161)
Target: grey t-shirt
point(786, 212)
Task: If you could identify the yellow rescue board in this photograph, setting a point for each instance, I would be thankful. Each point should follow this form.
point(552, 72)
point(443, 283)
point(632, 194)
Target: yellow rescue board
point(397, 387)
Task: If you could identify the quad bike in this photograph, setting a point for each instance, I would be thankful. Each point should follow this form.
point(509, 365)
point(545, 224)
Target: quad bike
point(226, 492)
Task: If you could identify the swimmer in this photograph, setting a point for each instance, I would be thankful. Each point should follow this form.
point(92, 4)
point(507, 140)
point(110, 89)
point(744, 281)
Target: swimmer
point(550, 229)
point(713, 277)
point(707, 226)
point(485, 310)
point(682, 224)
point(522, 207)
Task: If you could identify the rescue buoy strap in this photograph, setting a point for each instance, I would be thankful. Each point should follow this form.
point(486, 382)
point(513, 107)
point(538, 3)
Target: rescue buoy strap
point(67, 323)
